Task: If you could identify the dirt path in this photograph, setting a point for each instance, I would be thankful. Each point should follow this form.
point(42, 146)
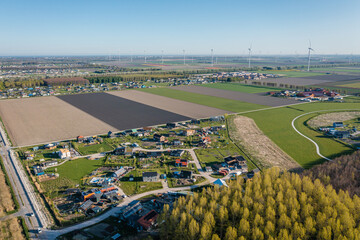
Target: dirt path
point(257, 144)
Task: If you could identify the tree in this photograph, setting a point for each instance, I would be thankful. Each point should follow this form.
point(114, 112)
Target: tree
point(231, 233)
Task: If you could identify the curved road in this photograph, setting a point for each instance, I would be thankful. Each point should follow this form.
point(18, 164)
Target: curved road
point(316, 145)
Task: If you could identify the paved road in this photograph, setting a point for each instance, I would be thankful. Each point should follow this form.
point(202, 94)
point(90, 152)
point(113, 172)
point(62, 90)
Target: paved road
point(52, 234)
point(24, 191)
point(316, 145)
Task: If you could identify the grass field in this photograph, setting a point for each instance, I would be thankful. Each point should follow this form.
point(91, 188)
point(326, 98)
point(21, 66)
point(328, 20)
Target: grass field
point(276, 124)
point(138, 186)
point(292, 73)
point(240, 87)
point(71, 173)
point(216, 102)
point(339, 69)
point(91, 149)
point(352, 85)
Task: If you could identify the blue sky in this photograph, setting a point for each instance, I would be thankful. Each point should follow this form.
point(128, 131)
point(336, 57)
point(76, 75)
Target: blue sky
point(78, 27)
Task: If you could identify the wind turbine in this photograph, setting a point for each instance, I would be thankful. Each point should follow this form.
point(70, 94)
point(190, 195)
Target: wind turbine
point(184, 56)
point(250, 50)
point(309, 55)
point(145, 56)
point(212, 57)
point(162, 56)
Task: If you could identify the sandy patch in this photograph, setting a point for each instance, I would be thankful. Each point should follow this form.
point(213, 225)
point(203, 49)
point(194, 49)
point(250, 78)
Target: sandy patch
point(258, 145)
point(44, 119)
point(191, 110)
point(328, 119)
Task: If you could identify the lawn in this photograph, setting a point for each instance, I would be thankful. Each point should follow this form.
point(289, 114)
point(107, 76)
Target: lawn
point(75, 170)
point(292, 73)
point(216, 102)
point(352, 85)
point(276, 124)
point(240, 87)
point(92, 149)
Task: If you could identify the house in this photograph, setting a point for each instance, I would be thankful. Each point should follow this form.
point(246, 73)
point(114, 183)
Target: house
point(155, 154)
point(177, 143)
point(159, 138)
point(50, 146)
point(342, 134)
point(189, 132)
point(80, 139)
point(206, 140)
point(148, 220)
point(208, 169)
point(132, 208)
point(171, 125)
point(49, 163)
point(38, 170)
point(118, 173)
point(110, 134)
point(96, 209)
point(127, 151)
point(177, 153)
point(338, 124)
point(186, 174)
point(150, 176)
point(86, 205)
point(181, 162)
point(64, 153)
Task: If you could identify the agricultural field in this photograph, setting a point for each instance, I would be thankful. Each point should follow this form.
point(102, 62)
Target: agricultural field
point(240, 87)
point(292, 73)
point(337, 69)
point(351, 85)
point(47, 119)
point(244, 131)
point(51, 119)
point(189, 109)
point(276, 124)
point(211, 101)
point(237, 96)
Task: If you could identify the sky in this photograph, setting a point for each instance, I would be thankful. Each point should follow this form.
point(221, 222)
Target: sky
point(77, 27)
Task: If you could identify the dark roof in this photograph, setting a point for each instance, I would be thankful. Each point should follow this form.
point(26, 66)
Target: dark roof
point(150, 174)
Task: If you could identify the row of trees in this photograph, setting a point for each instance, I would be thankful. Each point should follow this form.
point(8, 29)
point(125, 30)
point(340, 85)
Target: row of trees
point(132, 77)
point(20, 83)
point(342, 173)
point(273, 205)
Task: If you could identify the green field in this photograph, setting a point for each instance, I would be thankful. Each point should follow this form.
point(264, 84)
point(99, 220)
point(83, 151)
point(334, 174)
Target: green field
point(337, 69)
point(216, 102)
point(75, 170)
point(240, 87)
point(294, 73)
point(92, 149)
point(352, 85)
point(276, 124)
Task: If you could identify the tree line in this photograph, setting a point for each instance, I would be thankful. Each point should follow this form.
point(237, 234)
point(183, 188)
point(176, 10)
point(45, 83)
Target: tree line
point(342, 173)
point(273, 205)
point(21, 83)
